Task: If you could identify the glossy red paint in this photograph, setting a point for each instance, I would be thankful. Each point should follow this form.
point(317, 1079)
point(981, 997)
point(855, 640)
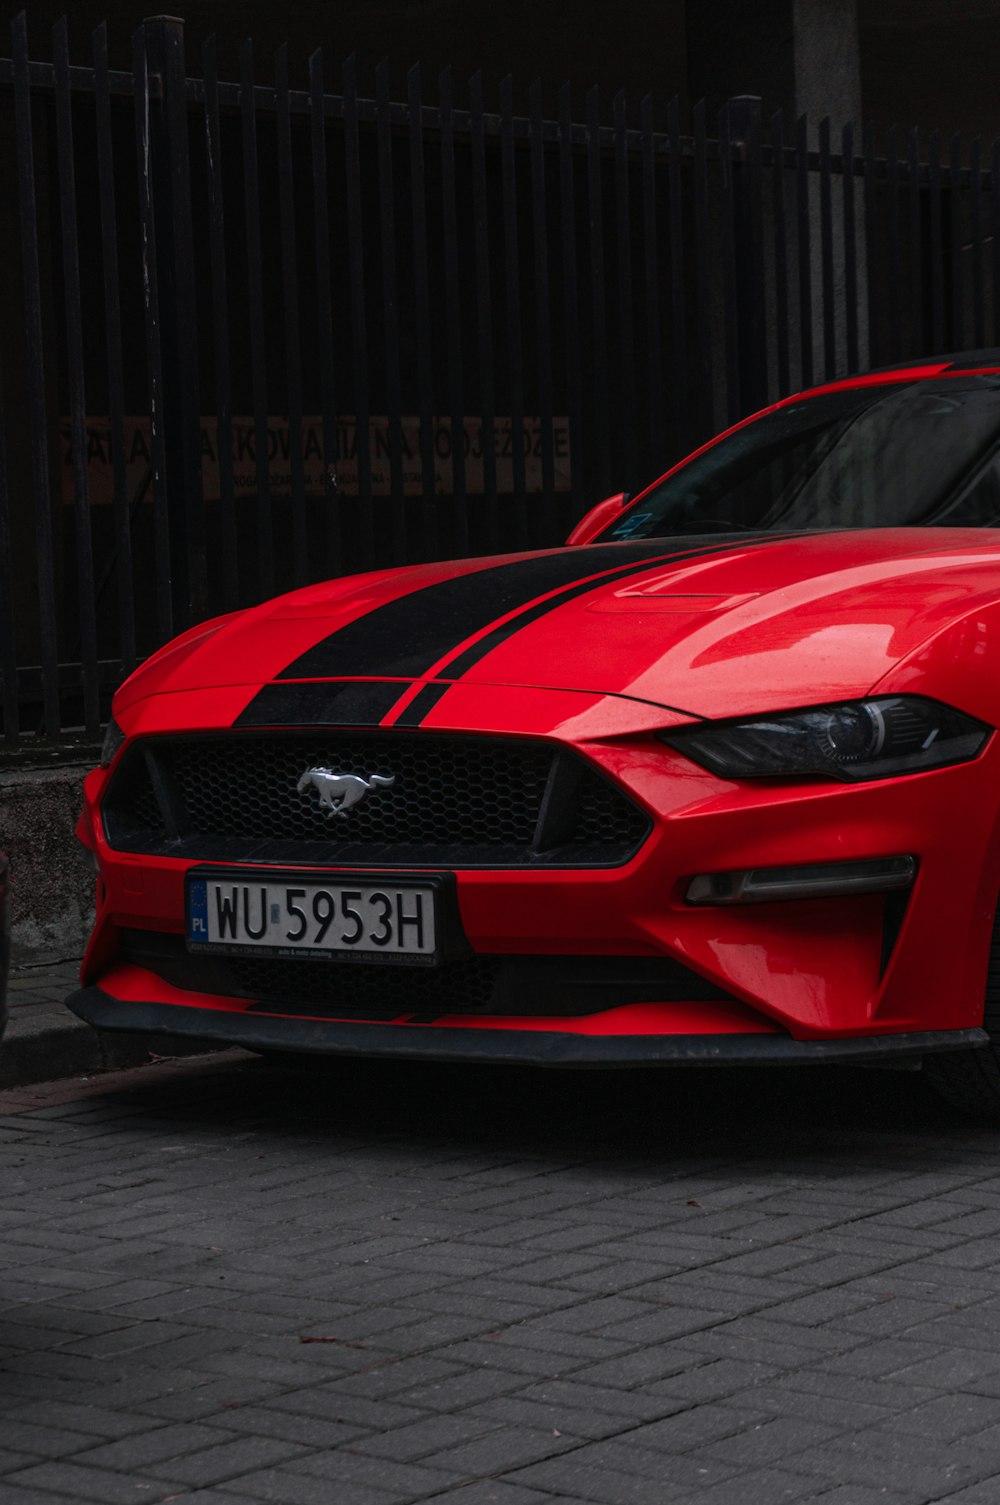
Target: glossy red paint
point(596, 520)
point(734, 628)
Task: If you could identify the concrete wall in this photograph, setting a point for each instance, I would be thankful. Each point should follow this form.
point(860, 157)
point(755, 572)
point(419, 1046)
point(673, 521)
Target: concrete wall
point(52, 881)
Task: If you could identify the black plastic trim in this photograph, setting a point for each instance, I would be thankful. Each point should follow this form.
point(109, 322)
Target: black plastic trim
point(519, 985)
point(504, 1047)
point(154, 750)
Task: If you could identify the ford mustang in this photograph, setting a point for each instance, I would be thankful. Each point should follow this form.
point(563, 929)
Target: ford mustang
point(719, 781)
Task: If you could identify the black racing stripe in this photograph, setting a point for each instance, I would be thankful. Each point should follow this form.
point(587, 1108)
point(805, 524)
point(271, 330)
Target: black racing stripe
point(484, 645)
point(323, 703)
point(406, 637)
point(419, 706)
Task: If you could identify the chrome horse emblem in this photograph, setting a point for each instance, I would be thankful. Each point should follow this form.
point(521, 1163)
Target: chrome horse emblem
point(339, 792)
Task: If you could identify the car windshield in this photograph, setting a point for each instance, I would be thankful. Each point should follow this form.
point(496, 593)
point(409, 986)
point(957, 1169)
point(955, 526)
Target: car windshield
point(890, 456)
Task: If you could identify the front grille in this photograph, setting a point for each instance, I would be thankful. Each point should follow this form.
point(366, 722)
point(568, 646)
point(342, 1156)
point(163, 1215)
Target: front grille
point(343, 988)
point(363, 991)
point(456, 801)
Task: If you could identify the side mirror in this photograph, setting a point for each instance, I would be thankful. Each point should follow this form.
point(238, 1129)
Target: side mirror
point(598, 518)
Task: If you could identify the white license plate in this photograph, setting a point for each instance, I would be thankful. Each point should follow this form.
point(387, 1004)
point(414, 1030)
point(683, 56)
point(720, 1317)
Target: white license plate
point(293, 917)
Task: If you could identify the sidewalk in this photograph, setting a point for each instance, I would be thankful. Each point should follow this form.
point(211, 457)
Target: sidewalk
point(44, 1041)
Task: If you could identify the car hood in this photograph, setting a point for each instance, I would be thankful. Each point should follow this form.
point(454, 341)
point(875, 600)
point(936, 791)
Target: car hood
point(707, 626)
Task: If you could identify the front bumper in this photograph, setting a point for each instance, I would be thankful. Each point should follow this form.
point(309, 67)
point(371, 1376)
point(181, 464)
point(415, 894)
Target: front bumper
point(831, 972)
point(333, 1037)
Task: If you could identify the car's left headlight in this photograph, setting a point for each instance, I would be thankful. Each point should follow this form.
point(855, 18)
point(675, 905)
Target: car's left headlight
point(853, 741)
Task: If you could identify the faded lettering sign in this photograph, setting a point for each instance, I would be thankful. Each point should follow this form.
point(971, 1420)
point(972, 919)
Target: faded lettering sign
point(243, 456)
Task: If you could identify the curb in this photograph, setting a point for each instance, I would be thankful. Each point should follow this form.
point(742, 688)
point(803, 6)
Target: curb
point(48, 1054)
point(65, 1047)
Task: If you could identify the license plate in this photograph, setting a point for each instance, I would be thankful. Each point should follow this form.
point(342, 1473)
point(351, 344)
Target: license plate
point(296, 917)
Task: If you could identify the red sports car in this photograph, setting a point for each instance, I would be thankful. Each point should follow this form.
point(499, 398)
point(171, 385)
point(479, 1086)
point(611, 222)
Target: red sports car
point(719, 782)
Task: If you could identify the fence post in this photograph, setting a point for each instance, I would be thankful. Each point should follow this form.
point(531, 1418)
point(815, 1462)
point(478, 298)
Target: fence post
point(748, 245)
point(170, 191)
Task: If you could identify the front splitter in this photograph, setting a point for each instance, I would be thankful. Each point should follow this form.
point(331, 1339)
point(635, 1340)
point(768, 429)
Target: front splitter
point(270, 1032)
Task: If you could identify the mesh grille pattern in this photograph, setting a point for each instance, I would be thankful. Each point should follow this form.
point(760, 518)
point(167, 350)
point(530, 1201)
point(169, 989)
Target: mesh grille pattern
point(347, 988)
point(442, 793)
point(330, 988)
point(455, 801)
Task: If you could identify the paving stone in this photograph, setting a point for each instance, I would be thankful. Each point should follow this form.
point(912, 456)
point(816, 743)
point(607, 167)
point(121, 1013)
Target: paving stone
point(67, 1478)
point(523, 1307)
point(605, 1486)
point(505, 1448)
point(986, 1492)
point(766, 1486)
point(422, 1438)
point(141, 1451)
point(347, 1465)
point(227, 1460)
point(278, 1487)
point(492, 1492)
point(948, 1417)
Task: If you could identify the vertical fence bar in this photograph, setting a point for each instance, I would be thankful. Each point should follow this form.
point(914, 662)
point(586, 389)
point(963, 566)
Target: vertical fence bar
point(727, 212)
point(359, 323)
point(484, 313)
point(122, 561)
point(780, 252)
point(599, 330)
point(40, 484)
point(290, 302)
point(515, 354)
point(937, 269)
point(826, 251)
point(917, 337)
point(893, 246)
point(255, 300)
point(978, 299)
point(748, 232)
point(872, 242)
point(8, 638)
point(571, 301)
point(170, 167)
point(453, 316)
point(654, 460)
point(703, 338)
point(543, 332)
point(220, 330)
point(805, 251)
point(163, 553)
point(995, 232)
point(850, 250)
point(626, 322)
point(418, 204)
point(679, 377)
point(955, 243)
point(390, 316)
point(75, 379)
point(324, 313)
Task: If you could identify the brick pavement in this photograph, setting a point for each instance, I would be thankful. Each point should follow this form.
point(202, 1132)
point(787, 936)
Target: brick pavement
point(369, 1285)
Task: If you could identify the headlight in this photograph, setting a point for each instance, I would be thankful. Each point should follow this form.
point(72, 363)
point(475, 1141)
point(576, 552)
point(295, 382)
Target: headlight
point(856, 740)
point(113, 739)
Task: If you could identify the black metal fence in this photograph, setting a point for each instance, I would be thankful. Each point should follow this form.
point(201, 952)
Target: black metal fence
point(257, 335)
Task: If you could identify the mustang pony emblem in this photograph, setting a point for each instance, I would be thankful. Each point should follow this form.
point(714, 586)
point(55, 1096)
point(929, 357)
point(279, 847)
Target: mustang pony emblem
point(339, 791)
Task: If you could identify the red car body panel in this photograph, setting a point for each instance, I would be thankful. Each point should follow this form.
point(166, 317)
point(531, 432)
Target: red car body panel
point(621, 643)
